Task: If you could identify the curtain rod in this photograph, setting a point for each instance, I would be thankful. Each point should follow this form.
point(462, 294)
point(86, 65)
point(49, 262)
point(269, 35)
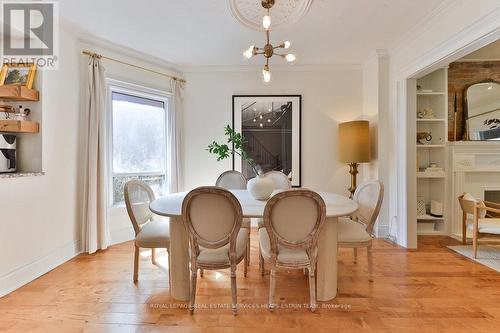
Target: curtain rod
point(100, 56)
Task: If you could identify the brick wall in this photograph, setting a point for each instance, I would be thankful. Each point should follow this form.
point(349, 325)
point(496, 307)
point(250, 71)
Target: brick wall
point(460, 76)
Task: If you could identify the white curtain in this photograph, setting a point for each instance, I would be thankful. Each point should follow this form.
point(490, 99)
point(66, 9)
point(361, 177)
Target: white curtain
point(95, 227)
point(174, 139)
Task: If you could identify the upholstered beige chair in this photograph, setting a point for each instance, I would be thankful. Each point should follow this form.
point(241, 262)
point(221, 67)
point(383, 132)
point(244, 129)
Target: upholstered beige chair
point(356, 232)
point(235, 180)
point(149, 232)
point(292, 220)
point(480, 217)
point(281, 182)
point(212, 216)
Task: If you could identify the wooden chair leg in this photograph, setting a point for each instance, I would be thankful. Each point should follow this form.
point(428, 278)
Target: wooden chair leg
point(192, 297)
point(312, 289)
point(464, 228)
point(370, 259)
point(136, 264)
point(169, 272)
point(272, 289)
point(234, 290)
point(245, 265)
point(248, 250)
point(474, 245)
point(474, 234)
point(153, 256)
point(355, 250)
point(261, 262)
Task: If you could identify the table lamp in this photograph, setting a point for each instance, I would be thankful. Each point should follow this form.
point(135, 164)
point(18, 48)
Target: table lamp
point(354, 147)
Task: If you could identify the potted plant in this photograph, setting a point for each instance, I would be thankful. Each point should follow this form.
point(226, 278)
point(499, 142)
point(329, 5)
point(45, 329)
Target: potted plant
point(259, 187)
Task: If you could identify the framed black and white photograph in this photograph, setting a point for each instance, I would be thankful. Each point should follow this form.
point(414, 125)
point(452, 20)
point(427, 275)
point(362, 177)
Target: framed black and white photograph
point(271, 127)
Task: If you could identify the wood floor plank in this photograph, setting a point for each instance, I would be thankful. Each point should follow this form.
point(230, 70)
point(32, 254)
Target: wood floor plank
point(426, 290)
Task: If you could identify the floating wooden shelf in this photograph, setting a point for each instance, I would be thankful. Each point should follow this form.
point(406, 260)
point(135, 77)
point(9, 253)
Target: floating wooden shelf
point(19, 126)
point(18, 93)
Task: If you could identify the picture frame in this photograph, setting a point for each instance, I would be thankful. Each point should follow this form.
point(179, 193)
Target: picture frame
point(21, 74)
point(272, 128)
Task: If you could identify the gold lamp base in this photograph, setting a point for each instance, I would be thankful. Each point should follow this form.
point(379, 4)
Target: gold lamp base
point(353, 170)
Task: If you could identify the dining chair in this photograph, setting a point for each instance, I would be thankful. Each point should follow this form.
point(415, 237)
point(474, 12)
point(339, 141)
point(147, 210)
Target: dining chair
point(356, 232)
point(293, 221)
point(480, 217)
point(281, 182)
point(235, 180)
point(150, 233)
point(212, 216)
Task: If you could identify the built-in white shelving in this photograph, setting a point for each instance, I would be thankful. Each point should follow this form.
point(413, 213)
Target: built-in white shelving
point(432, 185)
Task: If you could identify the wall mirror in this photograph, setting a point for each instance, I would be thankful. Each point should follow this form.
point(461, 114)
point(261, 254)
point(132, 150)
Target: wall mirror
point(482, 107)
point(271, 128)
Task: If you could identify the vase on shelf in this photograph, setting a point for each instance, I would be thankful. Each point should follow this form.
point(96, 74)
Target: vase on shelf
point(260, 187)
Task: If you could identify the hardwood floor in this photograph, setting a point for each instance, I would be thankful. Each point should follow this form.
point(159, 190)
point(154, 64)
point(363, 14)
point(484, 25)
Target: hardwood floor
point(428, 290)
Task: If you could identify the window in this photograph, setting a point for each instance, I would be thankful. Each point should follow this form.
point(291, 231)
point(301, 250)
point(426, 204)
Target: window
point(138, 140)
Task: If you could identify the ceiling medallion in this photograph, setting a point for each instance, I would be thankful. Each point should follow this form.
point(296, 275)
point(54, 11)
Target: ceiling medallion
point(268, 50)
point(285, 12)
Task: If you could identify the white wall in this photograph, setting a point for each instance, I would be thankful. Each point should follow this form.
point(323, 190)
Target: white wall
point(375, 109)
point(328, 97)
point(39, 228)
point(444, 36)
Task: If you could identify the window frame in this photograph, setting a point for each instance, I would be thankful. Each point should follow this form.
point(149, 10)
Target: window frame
point(118, 86)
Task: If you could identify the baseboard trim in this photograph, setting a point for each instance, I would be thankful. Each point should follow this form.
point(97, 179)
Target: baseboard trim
point(381, 231)
point(122, 235)
point(26, 273)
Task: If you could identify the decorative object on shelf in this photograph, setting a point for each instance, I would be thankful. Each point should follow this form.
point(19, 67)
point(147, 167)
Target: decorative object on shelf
point(423, 136)
point(18, 75)
point(22, 113)
point(7, 110)
point(354, 147)
point(271, 127)
point(268, 50)
point(259, 187)
point(421, 210)
point(426, 114)
point(436, 208)
point(482, 110)
point(434, 167)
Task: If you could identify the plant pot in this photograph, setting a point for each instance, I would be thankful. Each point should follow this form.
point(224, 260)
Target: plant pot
point(260, 187)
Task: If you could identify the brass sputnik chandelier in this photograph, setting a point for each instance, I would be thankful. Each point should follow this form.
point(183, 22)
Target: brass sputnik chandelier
point(268, 50)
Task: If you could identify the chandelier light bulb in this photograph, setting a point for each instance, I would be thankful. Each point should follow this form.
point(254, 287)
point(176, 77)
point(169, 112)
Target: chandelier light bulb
point(266, 76)
point(286, 44)
point(249, 53)
point(261, 125)
point(266, 22)
point(290, 57)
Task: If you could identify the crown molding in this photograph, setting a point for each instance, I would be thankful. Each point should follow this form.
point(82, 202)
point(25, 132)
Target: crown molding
point(477, 35)
point(423, 25)
point(93, 41)
point(276, 68)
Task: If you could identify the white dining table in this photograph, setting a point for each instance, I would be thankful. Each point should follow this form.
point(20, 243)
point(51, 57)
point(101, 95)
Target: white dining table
point(326, 284)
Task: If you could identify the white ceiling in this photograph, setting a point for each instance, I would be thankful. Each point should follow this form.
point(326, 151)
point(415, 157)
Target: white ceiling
point(204, 33)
